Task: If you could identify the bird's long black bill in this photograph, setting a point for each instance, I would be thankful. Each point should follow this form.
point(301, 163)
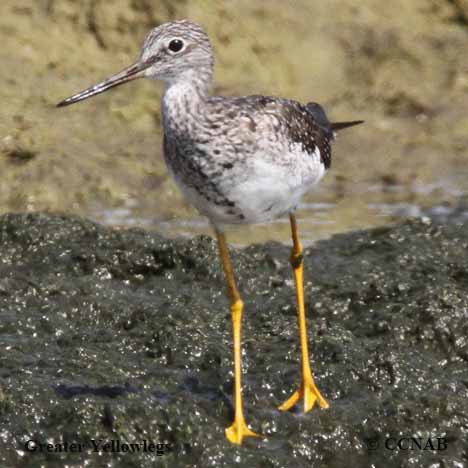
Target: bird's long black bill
point(130, 73)
point(335, 126)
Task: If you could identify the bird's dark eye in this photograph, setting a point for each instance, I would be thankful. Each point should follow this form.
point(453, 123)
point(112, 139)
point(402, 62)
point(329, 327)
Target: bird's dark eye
point(176, 45)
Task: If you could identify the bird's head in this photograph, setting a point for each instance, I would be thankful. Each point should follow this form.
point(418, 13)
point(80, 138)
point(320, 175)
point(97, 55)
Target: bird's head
point(179, 50)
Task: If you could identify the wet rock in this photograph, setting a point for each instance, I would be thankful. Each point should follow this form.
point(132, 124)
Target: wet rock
point(125, 336)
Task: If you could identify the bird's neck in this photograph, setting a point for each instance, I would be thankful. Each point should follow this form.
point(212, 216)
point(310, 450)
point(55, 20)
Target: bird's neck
point(184, 98)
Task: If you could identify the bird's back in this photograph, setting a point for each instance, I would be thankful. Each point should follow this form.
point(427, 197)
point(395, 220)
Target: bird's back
point(285, 123)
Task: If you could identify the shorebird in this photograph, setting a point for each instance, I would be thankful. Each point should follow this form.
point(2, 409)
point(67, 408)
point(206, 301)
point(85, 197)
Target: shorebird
point(237, 160)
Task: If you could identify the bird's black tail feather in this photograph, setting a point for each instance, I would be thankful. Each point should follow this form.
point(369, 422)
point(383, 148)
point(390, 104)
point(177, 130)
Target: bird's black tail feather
point(335, 126)
point(322, 120)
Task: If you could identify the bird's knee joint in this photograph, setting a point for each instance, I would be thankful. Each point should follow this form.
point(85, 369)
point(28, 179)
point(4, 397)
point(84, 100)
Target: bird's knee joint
point(237, 306)
point(296, 260)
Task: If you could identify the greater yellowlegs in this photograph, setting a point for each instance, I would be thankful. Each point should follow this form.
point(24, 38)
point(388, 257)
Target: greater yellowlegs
point(237, 160)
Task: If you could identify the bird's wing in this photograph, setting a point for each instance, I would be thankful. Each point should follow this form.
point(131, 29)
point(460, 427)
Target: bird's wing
point(291, 123)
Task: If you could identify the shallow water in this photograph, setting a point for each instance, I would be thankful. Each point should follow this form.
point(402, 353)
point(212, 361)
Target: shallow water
point(321, 214)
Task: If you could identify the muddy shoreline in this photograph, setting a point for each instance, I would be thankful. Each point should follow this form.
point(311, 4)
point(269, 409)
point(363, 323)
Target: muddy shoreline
point(397, 65)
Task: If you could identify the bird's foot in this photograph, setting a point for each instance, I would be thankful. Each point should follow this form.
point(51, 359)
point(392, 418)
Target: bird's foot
point(238, 430)
point(309, 393)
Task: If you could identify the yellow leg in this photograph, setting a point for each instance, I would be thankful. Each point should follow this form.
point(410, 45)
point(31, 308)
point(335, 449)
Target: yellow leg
point(238, 429)
point(307, 391)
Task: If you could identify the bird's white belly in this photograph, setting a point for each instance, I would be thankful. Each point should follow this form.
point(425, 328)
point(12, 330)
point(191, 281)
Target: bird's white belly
point(274, 189)
point(268, 189)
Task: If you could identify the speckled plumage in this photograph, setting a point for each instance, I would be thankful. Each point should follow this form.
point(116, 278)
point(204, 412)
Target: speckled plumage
point(237, 160)
point(243, 160)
